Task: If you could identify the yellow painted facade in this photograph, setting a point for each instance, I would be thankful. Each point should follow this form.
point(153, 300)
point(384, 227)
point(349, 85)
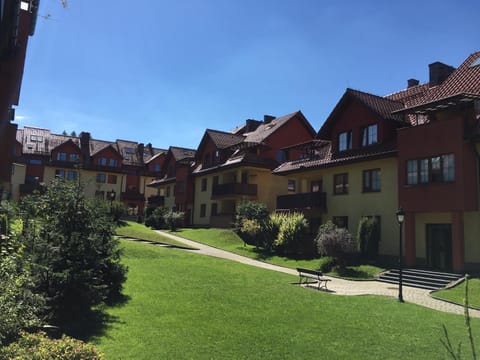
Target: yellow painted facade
point(268, 187)
point(357, 203)
point(472, 236)
point(18, 177)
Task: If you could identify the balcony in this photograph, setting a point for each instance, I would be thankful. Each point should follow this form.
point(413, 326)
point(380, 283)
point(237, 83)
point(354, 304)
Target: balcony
point(312, 200)
point(30, 188)
point(234, 190)
point(132, 196)
point(156, 200)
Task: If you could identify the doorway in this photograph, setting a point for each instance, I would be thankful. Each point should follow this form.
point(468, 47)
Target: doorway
point(439, 246)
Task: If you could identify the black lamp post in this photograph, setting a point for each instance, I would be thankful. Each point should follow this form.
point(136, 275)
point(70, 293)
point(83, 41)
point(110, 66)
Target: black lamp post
point(400, 218)
point(111, 197)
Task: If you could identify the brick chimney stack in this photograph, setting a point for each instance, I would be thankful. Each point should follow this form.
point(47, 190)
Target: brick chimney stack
point(412, 82)
point(85, 146)
point(439, 72)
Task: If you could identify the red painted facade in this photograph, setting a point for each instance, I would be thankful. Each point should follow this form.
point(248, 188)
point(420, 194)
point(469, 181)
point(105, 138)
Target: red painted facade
point(444, 135)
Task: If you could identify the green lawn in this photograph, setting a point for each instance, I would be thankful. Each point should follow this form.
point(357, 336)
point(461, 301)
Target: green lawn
point(226, 239)
point(184, 305)
point(140, 231)
point(457, 293)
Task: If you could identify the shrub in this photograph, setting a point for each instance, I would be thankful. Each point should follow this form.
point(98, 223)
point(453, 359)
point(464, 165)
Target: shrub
point(173, 219)
point(335, 242)
point(368, 237)
point(271, 228)
point(118, 210)
point(327, 263)
point(251, 211)
point(74, 257)
point(291, 236)
point(39, 347)
point(155, 218)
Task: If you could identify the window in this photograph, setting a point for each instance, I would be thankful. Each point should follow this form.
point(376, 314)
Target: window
point(204, 184)
point(61, 156)
point(316, 186)
point(112, 179)
point(29, 179)
point(412, 172)
point(448, 167)
point(291, 185)
point(72, 175)
point(35, 162)
point(36, 138)
point(100, 194)
point(214, 209)
point(345, 141)
point(371, 180)
point(102, 161)
point(437, 169)
point(369, 135)
point(101, 178)
point(180, 187)
point(157, 167)
point(129, 150)
point(60, 173)
point(424, 172)
point(73, 157)
point(340, 183)
point(341, 221)
point(113, 162)
point(203, 210)
point(281, 156)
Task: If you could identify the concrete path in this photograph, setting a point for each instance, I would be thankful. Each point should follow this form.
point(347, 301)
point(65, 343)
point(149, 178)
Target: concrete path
point(337, 286)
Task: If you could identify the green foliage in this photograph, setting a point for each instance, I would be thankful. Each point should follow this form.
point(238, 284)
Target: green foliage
point(20, 307)
point(335, 242)
point(250, 210)
point(292, 237)
point(39, 347)
point(368, 237)
point(118, 210)
point(155, 217)
point(327, 263)
point(74, 257)
point(173, 219)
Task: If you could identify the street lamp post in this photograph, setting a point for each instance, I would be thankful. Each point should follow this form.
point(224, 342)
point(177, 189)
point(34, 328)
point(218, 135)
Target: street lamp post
point(400, 218)
point(111, 196)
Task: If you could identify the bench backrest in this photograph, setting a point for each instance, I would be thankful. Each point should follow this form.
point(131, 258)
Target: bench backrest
point(308, 271)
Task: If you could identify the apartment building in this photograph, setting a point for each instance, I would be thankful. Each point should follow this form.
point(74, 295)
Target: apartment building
point(116, 171)
point(17, 24)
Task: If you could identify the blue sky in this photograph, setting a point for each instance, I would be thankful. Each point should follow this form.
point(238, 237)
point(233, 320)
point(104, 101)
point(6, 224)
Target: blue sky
point(164, 71)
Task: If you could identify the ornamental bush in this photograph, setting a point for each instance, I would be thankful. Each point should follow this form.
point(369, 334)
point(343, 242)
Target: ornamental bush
point(250, 220)
point(335, 242)
point(368, 235)
point(39, 347)
point(292, 239)
point(173, 219)
point(155, 218)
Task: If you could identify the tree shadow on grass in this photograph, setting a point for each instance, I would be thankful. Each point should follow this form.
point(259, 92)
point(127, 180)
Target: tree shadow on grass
point(94, 323)
point(349, 272)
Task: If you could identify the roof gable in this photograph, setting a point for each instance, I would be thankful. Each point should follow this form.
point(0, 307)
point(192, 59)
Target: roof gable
point(382, 107)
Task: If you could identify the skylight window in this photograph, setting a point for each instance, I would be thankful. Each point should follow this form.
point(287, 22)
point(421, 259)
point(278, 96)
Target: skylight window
point(475, 62)
point(129, 150)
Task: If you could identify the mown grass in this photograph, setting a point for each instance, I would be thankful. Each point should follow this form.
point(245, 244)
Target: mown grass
point(226, 239)
point(457, 293)
point(140, 231)
point(187, 306)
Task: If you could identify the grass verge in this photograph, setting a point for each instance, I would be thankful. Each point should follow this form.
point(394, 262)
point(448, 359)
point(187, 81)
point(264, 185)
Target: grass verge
point(140, 231)
point(457, 293)
point(226, 239)
point(187, 306)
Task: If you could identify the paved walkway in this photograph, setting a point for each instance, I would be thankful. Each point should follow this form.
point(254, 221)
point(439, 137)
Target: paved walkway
point(337, 286)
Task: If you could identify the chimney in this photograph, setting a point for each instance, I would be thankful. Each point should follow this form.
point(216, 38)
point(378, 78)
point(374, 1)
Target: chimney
point(439, 72)
point(140, 148)
point(412, 82)
point(85, 146)
point(267, 119)
point(252, 125)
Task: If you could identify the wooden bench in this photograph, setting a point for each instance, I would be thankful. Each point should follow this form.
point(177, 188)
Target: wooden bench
point(306, 274)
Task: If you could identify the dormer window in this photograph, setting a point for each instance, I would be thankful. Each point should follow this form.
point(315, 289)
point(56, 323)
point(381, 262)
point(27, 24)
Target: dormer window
point(369, 135)
point(102, 161)
point(129, 150)
point(73, 157)
point(61, 156)
point(345, 141)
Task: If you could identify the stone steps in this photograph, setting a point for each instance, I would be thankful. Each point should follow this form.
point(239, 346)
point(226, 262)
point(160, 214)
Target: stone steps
point(424, 279)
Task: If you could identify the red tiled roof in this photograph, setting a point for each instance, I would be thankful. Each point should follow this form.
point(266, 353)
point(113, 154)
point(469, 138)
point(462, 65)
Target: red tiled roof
point(325, 158)
point(182, 153)
point(223, 139)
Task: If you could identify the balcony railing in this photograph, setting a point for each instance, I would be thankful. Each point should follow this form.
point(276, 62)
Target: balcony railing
point(234, 189)
point(156, 200)
point(312, 200)
point(132, 196)
point(30, 188)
